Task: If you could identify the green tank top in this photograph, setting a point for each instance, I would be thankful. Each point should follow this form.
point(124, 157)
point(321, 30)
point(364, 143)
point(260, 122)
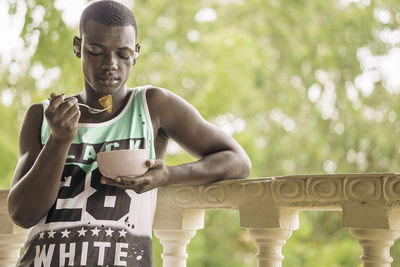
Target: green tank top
point(132, 129)
point(93, 224)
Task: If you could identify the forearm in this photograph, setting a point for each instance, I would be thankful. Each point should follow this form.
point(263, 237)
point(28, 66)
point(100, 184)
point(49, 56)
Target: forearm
point(214, 167)
point(34, 194)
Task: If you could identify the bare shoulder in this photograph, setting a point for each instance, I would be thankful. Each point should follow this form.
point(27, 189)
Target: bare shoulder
point(162, 98)
point(31, 125)
point(34, 110)
point(166, 106)
point(158, 96)
point(33, 115)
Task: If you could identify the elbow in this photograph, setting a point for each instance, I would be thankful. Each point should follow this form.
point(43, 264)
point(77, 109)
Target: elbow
point(20, 216)
point(22, 220)
point(241, 165)
point(246, 166)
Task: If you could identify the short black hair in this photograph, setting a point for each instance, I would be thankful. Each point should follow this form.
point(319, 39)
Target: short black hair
point(107, 12)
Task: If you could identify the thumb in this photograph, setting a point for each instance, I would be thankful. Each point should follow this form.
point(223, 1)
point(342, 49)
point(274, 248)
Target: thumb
point(152, 164)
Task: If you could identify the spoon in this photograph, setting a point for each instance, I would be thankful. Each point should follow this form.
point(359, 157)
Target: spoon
point(90, 109)
point(93, 110)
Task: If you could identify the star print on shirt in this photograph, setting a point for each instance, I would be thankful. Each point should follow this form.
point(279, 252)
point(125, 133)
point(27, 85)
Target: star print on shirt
point(95, 231)
point(65, 233)
point(82, 232)
point(122, 233)
point(109, 232)
point(51, 233)
point(41, 235)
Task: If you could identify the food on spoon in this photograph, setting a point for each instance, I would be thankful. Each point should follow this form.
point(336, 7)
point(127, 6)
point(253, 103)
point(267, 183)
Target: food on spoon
point(106, 101)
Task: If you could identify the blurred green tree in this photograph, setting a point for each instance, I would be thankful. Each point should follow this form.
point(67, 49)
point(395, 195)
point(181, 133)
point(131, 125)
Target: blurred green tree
point(305, 87)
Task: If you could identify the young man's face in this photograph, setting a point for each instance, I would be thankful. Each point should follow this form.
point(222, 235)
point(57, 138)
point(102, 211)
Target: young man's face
point(107, 54)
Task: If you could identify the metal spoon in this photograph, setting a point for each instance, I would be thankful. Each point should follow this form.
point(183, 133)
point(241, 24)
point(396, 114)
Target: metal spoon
point(93, 110)
point(90, 109)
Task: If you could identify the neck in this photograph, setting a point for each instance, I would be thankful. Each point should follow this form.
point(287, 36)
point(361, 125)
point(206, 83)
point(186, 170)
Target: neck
point(119, 98)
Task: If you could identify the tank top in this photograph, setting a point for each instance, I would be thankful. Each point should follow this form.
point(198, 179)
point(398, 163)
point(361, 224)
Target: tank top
point(92, 224)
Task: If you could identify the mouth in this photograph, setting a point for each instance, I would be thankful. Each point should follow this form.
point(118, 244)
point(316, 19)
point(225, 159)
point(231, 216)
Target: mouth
point(108, 79)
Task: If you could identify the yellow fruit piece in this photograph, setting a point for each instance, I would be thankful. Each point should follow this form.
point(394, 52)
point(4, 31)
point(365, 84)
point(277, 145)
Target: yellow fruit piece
point(106, 101)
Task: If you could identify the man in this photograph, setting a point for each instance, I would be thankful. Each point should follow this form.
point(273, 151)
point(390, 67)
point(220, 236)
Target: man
point(76, 216)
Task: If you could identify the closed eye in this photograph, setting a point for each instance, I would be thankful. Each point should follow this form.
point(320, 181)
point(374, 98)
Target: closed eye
point(123, 56)
point(95, 54)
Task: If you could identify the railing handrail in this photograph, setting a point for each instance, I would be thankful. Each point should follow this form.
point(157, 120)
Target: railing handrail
point(306, 192)
point(269, 209)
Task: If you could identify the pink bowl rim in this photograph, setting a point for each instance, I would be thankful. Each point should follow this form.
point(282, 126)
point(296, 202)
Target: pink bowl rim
point(123, 150)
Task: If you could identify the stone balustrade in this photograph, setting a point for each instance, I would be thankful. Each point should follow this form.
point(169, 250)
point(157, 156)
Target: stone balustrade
point(269, 209)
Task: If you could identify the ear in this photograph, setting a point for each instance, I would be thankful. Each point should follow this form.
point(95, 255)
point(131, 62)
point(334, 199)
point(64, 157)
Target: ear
point(136, 56)
point(77, 44)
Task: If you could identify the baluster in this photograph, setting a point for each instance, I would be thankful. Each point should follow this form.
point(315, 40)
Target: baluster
point(174, 244)
point(270, 242)
point(376, 245)
point(174, 228)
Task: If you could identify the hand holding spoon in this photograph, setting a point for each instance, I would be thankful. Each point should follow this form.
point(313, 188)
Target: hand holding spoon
point(89, 108)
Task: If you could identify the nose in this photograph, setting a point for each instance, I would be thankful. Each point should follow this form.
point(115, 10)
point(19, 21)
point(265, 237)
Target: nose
point(110, 63)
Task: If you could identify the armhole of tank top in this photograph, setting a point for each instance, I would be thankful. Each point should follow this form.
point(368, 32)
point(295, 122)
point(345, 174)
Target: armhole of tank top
point(149, 122)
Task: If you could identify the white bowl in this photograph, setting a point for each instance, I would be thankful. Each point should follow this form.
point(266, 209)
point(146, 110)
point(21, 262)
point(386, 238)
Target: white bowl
point(126, 162)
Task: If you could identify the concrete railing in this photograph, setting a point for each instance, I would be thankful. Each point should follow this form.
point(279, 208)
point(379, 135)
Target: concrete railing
point(269, 209)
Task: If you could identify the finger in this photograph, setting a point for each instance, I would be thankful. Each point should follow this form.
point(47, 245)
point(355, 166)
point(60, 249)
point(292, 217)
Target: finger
point(55, 101)
point(137, 189)
point(67, 105)
point(137, 181)
point(153, 164)
point(126, 179)
point(105, 180)
point(76, 118)
point(149, 163)
point(52, 95)
point(133, 179)
point(71, 113)
point(113, 183)
point(142, 181)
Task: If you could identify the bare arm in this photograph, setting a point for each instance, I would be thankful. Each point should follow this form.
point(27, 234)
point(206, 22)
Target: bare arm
point(220, 156)
point(36, 178)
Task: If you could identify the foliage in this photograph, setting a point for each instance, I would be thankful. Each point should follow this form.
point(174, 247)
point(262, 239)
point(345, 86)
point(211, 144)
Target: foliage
point(302, 85)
